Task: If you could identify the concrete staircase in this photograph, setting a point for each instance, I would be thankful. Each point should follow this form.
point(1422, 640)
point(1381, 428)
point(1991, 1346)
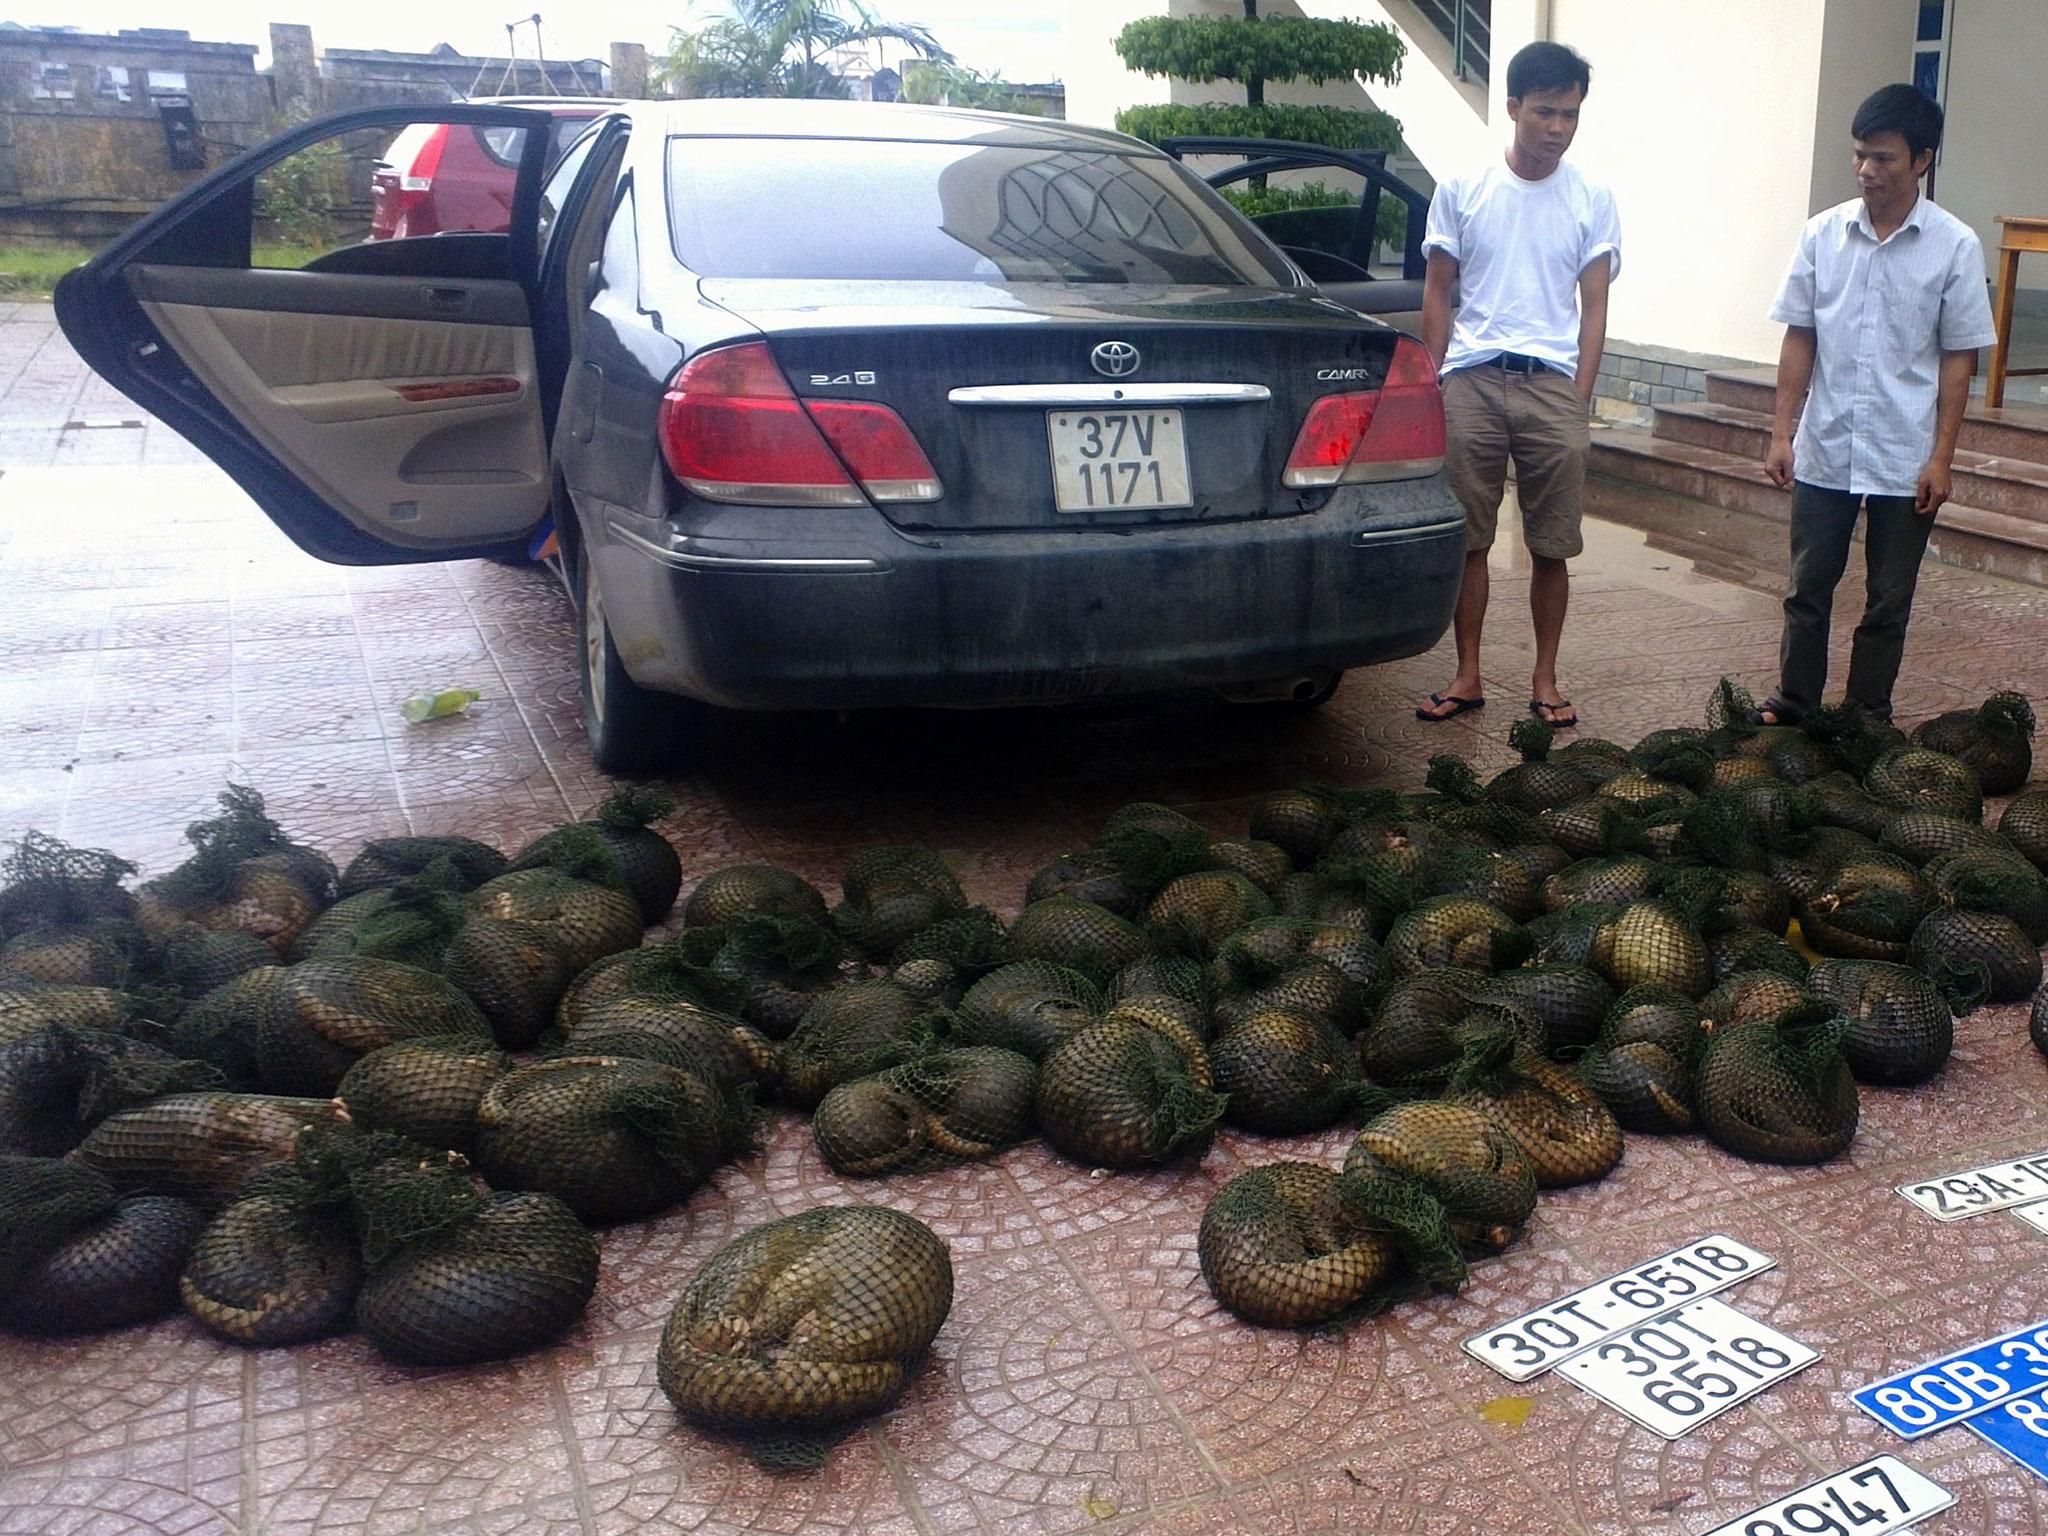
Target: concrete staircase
point(1712, 451)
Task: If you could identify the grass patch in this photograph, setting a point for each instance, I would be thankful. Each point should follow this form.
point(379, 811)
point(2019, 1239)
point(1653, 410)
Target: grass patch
point(31, 271)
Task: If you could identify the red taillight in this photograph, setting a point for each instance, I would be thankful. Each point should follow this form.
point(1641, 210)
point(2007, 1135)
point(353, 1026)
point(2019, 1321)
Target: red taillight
point(419, 176)
point(1393, 433)
point(733, 430)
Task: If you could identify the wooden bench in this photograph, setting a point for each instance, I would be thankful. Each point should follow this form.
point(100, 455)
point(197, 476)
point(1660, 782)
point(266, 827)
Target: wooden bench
point(2017, 233)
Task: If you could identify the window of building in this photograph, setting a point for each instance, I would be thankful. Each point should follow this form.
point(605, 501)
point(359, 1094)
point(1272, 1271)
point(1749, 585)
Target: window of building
point(167, 81)
point(113, 82)
point(54, 83)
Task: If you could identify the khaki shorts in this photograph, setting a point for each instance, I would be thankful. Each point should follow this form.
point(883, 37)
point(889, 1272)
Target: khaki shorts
point(1539, 421)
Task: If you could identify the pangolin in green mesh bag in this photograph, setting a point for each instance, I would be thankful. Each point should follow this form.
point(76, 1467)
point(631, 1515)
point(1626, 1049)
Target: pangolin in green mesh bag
point(78, 1257)
point(1653, 943)
point(58, 1082)
point(1570, 1002)
point(1995, 740)
point(1992, 880)
point(191, 961)
point(1537, 783)
point(428, 1089)
point(1567, 937)
point(1864, 908)
point(1133, 1089)
point(201, 1146)
point(1028, 1007)
point(65, 916)
point(1264, 864)
point(807, 1322)
point(1567, 1133)
point(1299, 822)
point(1921, 779)
point(1777, 1090)
point(768, 969)
point(1176, 976)
point(413, 919)
point(244, 873)
point(1100, 875)
point(1284, 1072)
point(528, 935)
point(1453, 931)
point(1424, 1024)
point(1079, 935)
point(738, 890)
point(852, 1031)
point(1976, 957)
point(457, 1274)
point(730, 1055)
point(1322, 969)
point(1624, 878)
point(1293, 1245)
point(969, 946)
point(658, 970)
point(1464, 1157)
point(1193, 914)
point(617, 848)
point(385, 861)
point(892, 893)
point(1645, 1064)
point(323, 1016)
point(616, 1138)
point(950, 1106)
point(1920, 837)
point(1752, 949)
point(1900, 1026)
point(2024, 824)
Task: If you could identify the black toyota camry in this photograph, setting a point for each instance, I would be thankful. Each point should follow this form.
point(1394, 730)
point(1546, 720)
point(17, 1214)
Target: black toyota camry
point(826, 405)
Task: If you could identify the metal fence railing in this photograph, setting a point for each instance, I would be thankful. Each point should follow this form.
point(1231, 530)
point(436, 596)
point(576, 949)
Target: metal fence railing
point(1468, 26)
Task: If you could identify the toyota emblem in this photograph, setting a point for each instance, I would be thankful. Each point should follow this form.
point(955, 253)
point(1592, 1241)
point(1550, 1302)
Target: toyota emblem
point(1115, 359)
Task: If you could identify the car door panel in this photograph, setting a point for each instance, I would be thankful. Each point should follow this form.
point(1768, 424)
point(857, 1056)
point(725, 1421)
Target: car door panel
point(423, 430)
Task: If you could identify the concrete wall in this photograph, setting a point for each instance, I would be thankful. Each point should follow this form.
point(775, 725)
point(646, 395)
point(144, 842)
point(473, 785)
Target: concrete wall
point(1992, 160)
point(1863, 46)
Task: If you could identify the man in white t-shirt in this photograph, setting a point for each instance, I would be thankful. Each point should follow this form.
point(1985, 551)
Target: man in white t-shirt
point(1531, 245)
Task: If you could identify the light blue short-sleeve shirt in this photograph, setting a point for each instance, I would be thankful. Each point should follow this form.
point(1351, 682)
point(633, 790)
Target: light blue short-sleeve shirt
point(1882, 314)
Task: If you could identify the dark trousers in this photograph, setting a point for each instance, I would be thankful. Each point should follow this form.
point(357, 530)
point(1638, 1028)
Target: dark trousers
point(1823, 522)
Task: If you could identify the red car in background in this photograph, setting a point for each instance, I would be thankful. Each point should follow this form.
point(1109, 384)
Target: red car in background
point(457, 176)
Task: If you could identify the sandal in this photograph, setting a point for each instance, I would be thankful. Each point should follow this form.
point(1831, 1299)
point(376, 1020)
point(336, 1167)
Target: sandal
point(1458, 706)
point(1780, 712)
point(1550, 714)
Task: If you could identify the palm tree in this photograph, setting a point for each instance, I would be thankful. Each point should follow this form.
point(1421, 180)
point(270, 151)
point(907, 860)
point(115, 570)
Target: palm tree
point(778, 47)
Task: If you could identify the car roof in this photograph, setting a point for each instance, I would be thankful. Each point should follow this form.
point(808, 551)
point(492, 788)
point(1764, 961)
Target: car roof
point(565, 106)
point(756, 117)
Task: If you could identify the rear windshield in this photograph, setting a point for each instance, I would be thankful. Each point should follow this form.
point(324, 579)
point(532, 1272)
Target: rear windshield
point(889, 210)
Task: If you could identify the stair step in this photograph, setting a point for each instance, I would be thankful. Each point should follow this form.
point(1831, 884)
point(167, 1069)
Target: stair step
point(2018, 488)
point(2013, 431)
point(1976, 537)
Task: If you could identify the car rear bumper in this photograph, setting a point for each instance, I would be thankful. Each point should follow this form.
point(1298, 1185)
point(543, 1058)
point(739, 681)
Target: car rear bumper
point(771, 609)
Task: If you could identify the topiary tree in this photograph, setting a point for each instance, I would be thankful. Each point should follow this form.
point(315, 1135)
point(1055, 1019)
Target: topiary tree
point(1256, 51)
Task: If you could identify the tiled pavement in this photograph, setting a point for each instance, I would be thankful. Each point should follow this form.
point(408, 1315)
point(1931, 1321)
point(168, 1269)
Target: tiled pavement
point(161, 639)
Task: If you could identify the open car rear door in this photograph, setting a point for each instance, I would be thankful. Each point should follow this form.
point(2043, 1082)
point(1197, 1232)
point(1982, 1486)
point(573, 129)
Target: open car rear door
point(375, 391)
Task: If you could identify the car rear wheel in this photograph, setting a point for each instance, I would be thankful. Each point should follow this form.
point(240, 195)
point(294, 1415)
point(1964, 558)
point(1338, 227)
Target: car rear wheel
point(630, 729)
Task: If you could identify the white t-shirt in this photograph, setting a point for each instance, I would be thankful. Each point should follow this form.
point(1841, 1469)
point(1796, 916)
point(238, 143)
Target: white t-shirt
point(1520, 247)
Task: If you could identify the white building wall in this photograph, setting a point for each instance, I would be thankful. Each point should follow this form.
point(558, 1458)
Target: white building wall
point(1992, 158)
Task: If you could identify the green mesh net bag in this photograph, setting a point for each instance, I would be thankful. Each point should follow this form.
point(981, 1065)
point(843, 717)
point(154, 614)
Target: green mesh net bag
point(1900, 1027)
point(1864, 908)
point(1920, 779)
point(1321, 969)
point(952, 1106)
point(771, 969)
point(1454, 931)
point(1099, 875)
point(221, 1026)
point(323, 1016)
point(803, 1324)
point(1920, 837)
point(1284, 1072)
point(201, 1146)
point(112, 1272)
point(970, 945)
point(1976, 957)
point(243, 873)
point(616, 1138)
point(1751, 995)
point(515, 971)
point(893, 893)
point(1299, 822)
point(191, 962)
point(49, 884)
point(1629, 877)
point(1567, 937)
point(725, 1052)
point(1593, 826)
point(1840, 800)
point(1994, 740)
point(1462, 1156)
point(1593, 759)
point(43, 1200)
point(1640, 791)
point(1644, 1065)
point(1028, 1007)
point(385, 861)
point(660, 970)
point(1078, 935)
point(456, 1275)
point(1778, 1090)
point(1424, 1027)
point(1195, 913)
point(90, 952)
point(1293, 1245)
point(413, 920)
point(589, 921)
point(1992, 880)
point(1651, 943)
point(1315, 896)
point(738, 890)
point(2024, 824)
point(1569, 1001)
point(1751, 949)
point(1738, 773)
point(1132, 1090)
point(58, 1082)
point(1746, 899)
point(427, 1089)
point(1264, 864)
point(1536, 783)
point(1174, 976)
point(1799, 864)
point(1568, 1135)
point(617, 848)
point(855, 1030)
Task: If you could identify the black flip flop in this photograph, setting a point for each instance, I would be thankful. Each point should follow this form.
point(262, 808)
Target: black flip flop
point(1547, 714)
point(1460, 706)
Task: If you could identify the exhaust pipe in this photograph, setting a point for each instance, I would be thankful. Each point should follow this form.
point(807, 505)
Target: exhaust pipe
point(1292, 688)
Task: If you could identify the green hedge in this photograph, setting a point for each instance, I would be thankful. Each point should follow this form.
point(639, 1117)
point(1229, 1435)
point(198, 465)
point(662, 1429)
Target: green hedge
point(1276, 48)
point(1337, 127)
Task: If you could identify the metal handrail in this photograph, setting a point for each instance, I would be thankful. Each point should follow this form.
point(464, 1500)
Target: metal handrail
point(1467, 25)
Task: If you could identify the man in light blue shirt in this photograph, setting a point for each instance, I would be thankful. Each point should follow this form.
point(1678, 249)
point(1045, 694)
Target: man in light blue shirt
point(1884, 309)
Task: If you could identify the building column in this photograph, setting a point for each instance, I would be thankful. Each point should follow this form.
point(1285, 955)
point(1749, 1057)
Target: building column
point(629, 71)
point(294, 71)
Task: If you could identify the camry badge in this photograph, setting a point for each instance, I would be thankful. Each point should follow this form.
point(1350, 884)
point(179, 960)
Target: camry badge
point(1115, 359)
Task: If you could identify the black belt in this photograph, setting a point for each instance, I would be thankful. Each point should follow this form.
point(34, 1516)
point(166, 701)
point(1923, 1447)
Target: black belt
point(1517, 362)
